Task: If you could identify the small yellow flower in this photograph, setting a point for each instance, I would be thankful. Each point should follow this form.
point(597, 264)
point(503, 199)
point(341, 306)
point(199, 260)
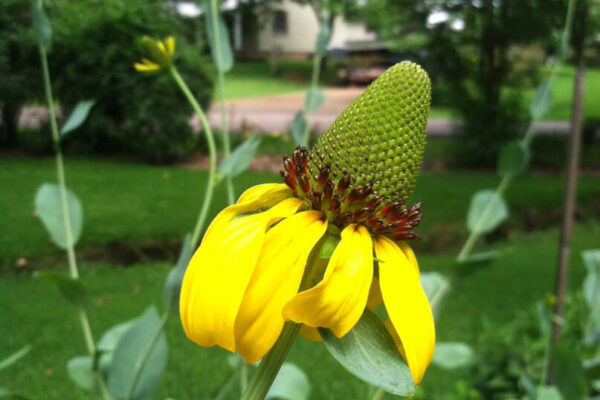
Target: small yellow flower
point(255, 268)
point(159, 54)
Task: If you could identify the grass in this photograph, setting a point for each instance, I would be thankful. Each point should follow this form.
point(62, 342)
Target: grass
point(253, 79)
point(123, 201)
point(126, 201)
point(35, 313)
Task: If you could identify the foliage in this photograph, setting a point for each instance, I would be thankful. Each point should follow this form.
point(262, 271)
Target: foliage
point(473, 59)
point(136, 114)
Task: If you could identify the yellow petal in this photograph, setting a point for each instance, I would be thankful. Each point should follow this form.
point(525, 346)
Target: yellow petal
point(275, 281)
point(146, 66)
point(170, 45)
point(339, 300)
point(268, 194)
point(407, 306)
point(311, 334)
point(219, 271)
point(375, 298)
point(161, 47)
point(410, 255)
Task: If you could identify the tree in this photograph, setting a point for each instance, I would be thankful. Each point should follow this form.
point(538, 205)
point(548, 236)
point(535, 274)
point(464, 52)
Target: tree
point(468, 46)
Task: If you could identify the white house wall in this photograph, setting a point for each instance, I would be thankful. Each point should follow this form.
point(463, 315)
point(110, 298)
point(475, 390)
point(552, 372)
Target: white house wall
point(303, 30)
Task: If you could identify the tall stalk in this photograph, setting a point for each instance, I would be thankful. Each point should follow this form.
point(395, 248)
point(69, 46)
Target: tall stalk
point(60, 174)
point(214, 15)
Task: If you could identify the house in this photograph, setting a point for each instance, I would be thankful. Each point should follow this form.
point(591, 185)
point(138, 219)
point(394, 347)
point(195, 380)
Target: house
point(288, 29)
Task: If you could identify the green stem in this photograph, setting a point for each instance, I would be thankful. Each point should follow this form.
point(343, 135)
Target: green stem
point(212, 152)
point(139, 367)
point(378, 394)
point(269, 366)
point(60, 173)
point(214, 15)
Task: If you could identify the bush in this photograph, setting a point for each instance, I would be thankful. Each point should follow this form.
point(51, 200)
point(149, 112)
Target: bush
point(94, 51)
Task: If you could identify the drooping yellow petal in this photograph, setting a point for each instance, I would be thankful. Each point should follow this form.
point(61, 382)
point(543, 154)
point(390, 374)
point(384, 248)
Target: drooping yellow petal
point(219, 271)
point(161, 47)
point(276, 279)
point(408, 252)
point(146, 66)
point(339, 300)
point(407, 306)
point(170, 45)
point(310, 333)
point(375, 298)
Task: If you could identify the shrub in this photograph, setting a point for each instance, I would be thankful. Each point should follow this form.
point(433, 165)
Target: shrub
point(94, 50)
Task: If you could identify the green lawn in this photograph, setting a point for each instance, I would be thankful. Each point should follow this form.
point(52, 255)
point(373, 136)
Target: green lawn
point(253, 79)
point(125, 201)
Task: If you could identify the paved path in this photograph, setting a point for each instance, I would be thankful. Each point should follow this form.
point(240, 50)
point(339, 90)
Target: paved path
point(276, 113)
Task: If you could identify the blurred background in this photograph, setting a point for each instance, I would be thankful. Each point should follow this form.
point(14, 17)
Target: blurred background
point(139, 162)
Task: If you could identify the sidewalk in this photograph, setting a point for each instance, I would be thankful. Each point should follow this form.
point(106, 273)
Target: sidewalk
point(276, 113)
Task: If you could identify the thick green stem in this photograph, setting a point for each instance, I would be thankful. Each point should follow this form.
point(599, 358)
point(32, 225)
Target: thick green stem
point(214, 15)
point(269, 366)
point(139, 367)
point(60, 174)
point(212, 153)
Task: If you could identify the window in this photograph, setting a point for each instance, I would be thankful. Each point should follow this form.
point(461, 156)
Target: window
point(280, 23)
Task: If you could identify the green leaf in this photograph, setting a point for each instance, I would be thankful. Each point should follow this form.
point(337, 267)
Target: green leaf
point(569, 375)
point(298, 128)
point(452, 355)
point(78, 116)
point(432, 283)
point(48, 207)
point(71, 289)
point(239, 159)
point(486, 212)
point(481, 257)
point(542, 100)
point(16, 356)
point(41, 25)
point(369, 353)
point(222, 54)
point(111, 338)
point(175, 277)
point(514, 158)
point(81, 371)
point(323, 38)
point(314, 99)
point(591, 289)
point(548, 393)
point(146, 336)
point(291, 383)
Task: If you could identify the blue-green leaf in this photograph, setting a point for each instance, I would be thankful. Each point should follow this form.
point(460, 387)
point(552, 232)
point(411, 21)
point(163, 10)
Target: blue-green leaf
point(111, 338)
point(591, 291)
point(542, 100)
point(514, 158)
point(298, 128)
point(145, 337)
point(239, 159)
point(314, 99)
point(175, 277)
point(16, 356)
point(452, 355)
point(548, 393)
point(81, 372)
point(71, 289)
point(369, 353)
point(291, 383)
point(432, 283)
point(486, 211)
point(41, 25)
point(221, 53)
point(78, 116)
point(48, 206)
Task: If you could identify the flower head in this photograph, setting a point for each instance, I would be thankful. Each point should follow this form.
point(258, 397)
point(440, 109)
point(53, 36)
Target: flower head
point(159, 54)
point(262, 263)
